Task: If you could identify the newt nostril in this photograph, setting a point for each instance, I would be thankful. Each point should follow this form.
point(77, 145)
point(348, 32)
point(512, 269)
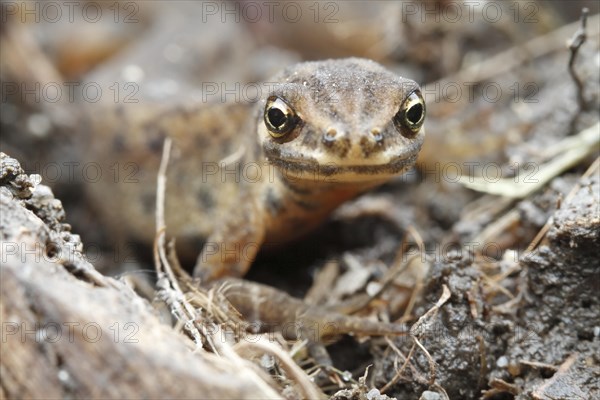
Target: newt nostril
point(330, 135)
point(376, 134)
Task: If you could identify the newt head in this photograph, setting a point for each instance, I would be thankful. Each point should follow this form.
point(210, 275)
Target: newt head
point(348, 120)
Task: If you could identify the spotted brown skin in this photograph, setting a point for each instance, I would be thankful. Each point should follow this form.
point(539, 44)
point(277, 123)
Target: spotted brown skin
point(244, 176)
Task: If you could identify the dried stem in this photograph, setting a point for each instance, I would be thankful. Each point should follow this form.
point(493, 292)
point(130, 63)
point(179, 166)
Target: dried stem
point(576, 42)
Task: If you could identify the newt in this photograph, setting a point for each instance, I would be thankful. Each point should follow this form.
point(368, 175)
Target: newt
point(245, 176)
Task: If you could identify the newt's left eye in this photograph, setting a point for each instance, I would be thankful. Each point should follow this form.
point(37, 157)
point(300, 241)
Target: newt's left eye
point(411, 115)
point(279, 117)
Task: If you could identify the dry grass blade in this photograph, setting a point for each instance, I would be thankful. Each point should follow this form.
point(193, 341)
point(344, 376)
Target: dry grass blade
point(421, 326)
point(263, 345)
point(576, 42)
point(572, 151)
point(400, 370)
point(323, 282)
point(419, 282)
point(419, 329)
point(539, 365)
point(168, 287)
point(185, 313)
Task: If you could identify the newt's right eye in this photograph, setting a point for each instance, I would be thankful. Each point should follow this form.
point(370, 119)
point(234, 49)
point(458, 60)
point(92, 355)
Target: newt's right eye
point(280, 118)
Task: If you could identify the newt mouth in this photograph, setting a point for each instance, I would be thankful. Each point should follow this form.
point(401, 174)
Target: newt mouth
point(311, 168)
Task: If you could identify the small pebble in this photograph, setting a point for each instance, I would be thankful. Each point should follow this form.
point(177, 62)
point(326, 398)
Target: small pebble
point(502, 362)
point(428, 395)
point(63, 376)
point(373, 394)
point(39, 125)
point(133, 73)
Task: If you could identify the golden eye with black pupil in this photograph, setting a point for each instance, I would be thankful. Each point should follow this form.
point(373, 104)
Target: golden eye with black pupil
point(279, 117)
point(409, 119)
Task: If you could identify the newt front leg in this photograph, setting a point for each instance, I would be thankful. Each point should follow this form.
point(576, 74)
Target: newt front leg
point(232, 247)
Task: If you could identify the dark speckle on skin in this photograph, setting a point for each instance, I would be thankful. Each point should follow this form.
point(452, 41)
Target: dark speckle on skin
point(306, 205)
point(368, 146)
point(148, 201)
point(180, 111)
point(257, 151)
point(120, 111)
point(118, 143)
point(226, 147)
point(201, 140)
point(274, 203)
point(310, 139)
point(206, 198)
point(339, 147)
point(294, 188)
point(156, 141)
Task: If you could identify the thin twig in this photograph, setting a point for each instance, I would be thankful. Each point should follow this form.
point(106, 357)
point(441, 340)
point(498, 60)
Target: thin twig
point(539, 392)
point(167, 284)
point(399, 371)
point(419, 280)
point(249, 370)
point(509, 59)
point(262, 345)
point(577, 41)
point(323, 282)
point(420, 327)
point(503, 386)
point(387, 283)
point(161, 228)
point(399, 265)
point(429, 359)
point(540, 365)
